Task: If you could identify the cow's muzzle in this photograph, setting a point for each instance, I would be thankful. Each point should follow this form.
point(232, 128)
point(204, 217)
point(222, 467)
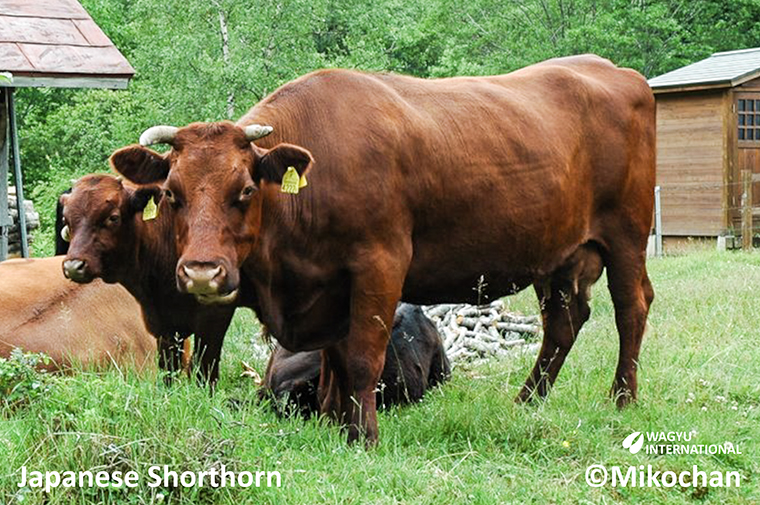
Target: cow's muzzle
point(207, 281)
point(76, 270)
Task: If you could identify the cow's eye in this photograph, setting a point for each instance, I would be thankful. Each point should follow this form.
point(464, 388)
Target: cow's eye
point(113, 220)
point(169, 195)
point(247, 192)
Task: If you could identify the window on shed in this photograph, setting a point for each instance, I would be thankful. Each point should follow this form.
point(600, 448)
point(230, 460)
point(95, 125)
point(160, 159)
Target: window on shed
point(748, 119)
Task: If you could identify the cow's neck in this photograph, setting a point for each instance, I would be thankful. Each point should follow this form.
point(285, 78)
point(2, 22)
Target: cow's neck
point(150, 266)
point(287, 267)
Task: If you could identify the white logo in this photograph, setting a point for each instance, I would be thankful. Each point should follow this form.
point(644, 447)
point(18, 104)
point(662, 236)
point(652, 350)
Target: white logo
point(633, 442)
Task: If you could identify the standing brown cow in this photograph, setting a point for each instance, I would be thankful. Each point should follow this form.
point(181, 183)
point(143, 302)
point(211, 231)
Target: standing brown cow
point(447, 190)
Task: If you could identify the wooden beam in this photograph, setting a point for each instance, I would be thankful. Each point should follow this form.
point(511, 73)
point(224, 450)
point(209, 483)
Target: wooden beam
point(686, 88)
point(20, 81)
point(746, 209)
point(728, 145)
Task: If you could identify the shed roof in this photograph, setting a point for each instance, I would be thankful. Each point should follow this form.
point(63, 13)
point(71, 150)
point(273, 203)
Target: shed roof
point(721, 70)
point(56, 43)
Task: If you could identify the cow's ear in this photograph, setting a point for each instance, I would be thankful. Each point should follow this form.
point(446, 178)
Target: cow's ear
point(139, 197)
point(64, 198)
point(275, 162)
point(140, 165)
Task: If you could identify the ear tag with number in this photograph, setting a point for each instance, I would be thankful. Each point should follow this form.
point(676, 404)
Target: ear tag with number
point(290, 181)
point(150, 211)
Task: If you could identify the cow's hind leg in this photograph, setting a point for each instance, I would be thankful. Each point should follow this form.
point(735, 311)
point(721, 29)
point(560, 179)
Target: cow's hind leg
point(564, 300)
point(632, 295)
point(328, 392)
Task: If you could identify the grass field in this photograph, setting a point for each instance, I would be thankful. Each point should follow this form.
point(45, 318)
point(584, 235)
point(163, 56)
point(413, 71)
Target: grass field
point(466, 443)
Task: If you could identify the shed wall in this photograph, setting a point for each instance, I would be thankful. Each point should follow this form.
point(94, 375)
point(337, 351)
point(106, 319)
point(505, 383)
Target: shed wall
point(690, 163)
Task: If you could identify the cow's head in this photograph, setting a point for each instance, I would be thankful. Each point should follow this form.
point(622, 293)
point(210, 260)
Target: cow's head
point(213, 178)
point(98, 216)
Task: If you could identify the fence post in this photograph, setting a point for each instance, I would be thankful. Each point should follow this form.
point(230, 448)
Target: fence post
point(746, 209)
point(657, 222)
point(5, 219)
point(13, 136)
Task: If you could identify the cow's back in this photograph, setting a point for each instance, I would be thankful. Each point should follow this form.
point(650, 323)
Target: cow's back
point(527, 166)
point(89, 324)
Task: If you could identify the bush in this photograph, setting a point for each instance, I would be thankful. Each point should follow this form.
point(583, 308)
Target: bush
point(20, 381)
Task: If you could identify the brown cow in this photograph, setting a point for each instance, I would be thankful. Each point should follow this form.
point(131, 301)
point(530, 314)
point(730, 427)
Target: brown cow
point(95, 325)
point(447, 190)
point(110, 239)
point(415, 361)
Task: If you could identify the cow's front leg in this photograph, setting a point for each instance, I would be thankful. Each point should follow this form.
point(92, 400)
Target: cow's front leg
point(170, 355)
point(357, 361)
point(357, 364)
point(210, 328)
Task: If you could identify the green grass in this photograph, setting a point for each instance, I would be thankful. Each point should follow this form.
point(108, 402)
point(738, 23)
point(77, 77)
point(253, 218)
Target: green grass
point(466, 443)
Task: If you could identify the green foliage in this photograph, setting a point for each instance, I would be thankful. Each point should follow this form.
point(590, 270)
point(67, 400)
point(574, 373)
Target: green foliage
point(185, 72)
point(20, 382)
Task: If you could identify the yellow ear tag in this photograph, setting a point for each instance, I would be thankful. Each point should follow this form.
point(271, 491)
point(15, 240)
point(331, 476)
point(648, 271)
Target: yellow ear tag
point(290, 181)
point(150, 211)
point(302, 182)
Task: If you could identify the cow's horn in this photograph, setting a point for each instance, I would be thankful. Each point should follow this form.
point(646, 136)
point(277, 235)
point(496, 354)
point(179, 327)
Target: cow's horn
point(257, 131)
point(158, 135)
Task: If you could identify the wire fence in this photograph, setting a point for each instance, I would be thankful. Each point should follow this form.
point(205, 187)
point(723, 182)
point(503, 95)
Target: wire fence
point(735, 205)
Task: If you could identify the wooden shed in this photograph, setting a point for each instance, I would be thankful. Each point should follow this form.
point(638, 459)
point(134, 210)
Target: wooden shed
point(47, 43)
point(708, 147)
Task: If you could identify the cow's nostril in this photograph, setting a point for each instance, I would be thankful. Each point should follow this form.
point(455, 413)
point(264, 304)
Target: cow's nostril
point(74, 269)
point(74, 265)
point(201, 274)
point(201, 278)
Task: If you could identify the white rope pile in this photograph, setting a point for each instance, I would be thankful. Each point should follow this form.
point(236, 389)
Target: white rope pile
point(473, 333)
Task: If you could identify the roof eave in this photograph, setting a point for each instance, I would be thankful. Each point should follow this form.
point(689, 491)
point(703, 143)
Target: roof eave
point(701, 86)
point(697, 86)
point(115, 81)
point(752, 74)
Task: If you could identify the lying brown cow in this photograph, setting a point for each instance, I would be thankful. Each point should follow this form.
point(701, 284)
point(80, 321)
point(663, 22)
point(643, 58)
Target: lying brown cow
point(95, 325)
point(429, 191)
point(415, 361)
point(111, 238)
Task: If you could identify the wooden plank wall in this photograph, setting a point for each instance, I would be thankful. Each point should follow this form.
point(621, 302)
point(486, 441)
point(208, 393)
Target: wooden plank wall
point(690, 160)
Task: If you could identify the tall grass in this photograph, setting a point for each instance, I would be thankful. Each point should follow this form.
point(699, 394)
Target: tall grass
point(467, 442)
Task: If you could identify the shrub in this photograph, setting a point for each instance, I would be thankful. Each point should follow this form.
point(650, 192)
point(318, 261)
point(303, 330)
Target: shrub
point(20, 381)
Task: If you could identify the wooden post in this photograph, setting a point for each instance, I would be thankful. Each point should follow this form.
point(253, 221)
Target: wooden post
point(657, 222)
point(746, 209)
point(5, 218)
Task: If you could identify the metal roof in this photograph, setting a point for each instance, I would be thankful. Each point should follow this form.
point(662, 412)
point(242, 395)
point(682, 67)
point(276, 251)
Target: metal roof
point(726, 69)
point(56, 43)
